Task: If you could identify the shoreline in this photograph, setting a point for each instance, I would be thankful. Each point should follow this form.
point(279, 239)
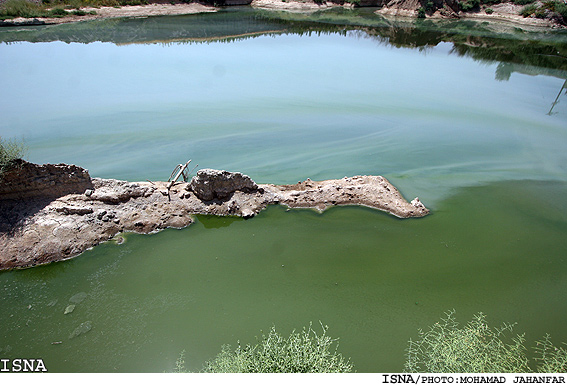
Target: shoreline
point(149, 10)
point(503, 12)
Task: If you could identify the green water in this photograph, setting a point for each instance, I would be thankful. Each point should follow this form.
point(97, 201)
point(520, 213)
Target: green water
point(471, 121)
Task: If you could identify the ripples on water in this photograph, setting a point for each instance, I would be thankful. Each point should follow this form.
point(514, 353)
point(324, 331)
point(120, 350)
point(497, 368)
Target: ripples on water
point(471, 122)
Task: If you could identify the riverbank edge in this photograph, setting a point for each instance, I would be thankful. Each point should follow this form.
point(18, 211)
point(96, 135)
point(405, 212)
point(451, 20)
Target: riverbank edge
point(55, 212)
point(504, 12)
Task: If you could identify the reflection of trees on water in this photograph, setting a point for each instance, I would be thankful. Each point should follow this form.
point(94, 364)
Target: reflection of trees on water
point(556, 101)
point(515, 50)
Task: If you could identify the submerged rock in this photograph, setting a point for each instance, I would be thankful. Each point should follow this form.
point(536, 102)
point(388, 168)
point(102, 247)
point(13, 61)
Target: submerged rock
point(70, 308)
point(38, 230)
point(78, 297)
point(83, 328)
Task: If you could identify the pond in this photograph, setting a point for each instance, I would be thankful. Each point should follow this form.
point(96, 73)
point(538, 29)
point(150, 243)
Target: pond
point(471, 117)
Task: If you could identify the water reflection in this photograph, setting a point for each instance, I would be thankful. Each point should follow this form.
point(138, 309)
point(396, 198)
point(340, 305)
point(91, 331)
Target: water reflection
point(216, 222)
point(557, 99)
point(536, 52)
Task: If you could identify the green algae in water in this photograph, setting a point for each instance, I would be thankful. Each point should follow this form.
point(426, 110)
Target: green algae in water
point(495, 249)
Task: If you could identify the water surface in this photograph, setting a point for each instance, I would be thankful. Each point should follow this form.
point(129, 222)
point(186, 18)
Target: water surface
point(469, 117)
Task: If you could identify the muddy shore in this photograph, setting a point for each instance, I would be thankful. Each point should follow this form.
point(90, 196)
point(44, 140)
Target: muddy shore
point(59, 211)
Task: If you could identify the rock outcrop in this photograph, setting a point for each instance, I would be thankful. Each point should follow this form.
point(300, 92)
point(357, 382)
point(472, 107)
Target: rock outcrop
point(209, 184)
point(64, 221)
point(27, 180)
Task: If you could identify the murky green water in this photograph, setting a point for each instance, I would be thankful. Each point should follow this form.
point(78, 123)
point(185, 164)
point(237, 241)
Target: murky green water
point(471, 121)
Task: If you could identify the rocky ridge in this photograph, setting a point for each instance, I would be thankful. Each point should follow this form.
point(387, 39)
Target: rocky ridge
point(41, 228)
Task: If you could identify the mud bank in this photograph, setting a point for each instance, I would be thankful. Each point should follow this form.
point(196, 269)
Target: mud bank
point(49, 226)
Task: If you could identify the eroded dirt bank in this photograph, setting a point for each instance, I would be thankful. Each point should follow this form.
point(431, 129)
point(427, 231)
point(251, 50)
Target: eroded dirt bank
point(63, 220)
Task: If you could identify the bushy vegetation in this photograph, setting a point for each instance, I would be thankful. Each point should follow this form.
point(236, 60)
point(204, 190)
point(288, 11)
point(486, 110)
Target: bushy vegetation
point(474, 5)
point(58, 8)
point(490, 2)
point(9, 152)
point(445, 347)
point(301, 352)
point(477, 348)
point(549, 9)
point(469, 5)
point(528, 10)
point(21, 8)
point(27, 9)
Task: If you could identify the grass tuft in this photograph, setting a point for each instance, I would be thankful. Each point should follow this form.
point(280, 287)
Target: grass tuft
point(10, 151)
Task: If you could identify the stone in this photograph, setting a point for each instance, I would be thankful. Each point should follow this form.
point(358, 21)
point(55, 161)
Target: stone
point(209, 184)
point(70, 308)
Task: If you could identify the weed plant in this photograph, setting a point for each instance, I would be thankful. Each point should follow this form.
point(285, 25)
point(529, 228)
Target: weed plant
point(301, 352)
point(10, 151)
point(476, 348)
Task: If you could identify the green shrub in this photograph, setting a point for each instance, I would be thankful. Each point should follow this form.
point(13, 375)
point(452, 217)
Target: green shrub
point(421, 13)
point(301, 352)
point(58, 12)
point(540, 13)
point(523, 2)
point(20, 8)
point(557, 7)
point(10, 151)
point(490, 2)
point(477, 348)
point(489, 11)
point(469, 5)
point(528, 10)
point(561, 8)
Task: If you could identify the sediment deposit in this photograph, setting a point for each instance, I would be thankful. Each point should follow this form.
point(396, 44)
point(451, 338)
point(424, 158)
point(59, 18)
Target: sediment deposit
point(70, 212)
